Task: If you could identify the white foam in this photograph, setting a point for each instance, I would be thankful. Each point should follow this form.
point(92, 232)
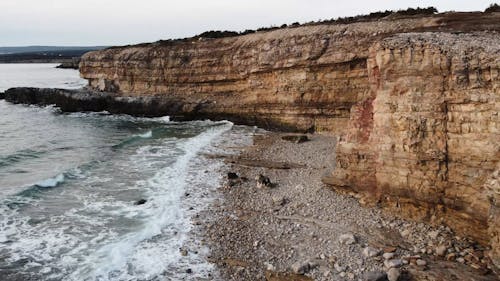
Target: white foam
point(51, 182)
point(83, 243)
point(166, 187)
point(122, 117)
point(146, 135)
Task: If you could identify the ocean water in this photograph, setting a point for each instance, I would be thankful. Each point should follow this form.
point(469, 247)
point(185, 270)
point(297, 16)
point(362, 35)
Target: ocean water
point(69, 184)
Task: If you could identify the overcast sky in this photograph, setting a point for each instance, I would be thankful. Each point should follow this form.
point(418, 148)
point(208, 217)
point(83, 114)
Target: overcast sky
point(118, 22)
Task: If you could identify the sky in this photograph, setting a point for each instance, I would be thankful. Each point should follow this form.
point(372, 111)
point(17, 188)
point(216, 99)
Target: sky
point(120, 22)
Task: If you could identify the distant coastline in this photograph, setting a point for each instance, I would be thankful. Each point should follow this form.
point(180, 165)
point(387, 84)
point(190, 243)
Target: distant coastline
point(68, 57)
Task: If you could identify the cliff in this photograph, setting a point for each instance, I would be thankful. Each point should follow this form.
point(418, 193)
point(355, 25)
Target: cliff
point(414, 100)
point(425, 140)
point(304, 78)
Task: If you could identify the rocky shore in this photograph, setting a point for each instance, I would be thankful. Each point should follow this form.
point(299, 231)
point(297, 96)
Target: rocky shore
point(277, 221)
point(413, 104)
point(178, 108)
point(413, 100)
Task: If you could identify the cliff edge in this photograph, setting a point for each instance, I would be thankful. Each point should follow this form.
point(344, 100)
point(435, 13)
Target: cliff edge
point(415, 101)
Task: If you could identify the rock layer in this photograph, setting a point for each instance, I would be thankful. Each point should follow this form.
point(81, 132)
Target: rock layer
point(415, 101)
point(305, 78)
point(426, 138)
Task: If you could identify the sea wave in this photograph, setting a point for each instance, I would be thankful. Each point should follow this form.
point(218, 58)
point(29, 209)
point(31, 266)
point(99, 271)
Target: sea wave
point(165, 189)
point(51, 182)
point(85, 225)
point(118, 117)
point(19, 156)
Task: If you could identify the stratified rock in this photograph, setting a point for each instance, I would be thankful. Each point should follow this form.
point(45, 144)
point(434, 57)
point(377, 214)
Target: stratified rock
point(492, 186)
point(423, 141)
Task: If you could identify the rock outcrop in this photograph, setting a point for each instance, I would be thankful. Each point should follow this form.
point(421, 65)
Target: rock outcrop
point(425, 139)
point(415, 102)
point(305, 78)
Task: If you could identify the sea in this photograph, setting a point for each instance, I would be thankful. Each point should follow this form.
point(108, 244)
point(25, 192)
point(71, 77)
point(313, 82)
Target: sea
point(93, 196)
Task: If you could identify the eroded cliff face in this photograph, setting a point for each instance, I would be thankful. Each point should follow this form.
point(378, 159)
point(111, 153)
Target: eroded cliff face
point(304, 78)
point(415, 102)
point(425, 141)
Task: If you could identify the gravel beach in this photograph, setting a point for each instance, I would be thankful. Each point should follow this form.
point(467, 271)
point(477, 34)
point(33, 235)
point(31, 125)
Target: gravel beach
point(276, 220)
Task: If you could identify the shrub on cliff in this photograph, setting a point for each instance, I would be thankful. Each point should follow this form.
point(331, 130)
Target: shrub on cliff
point(493, 8)
point(417, 11)
point(217, 34)
point(247, 31)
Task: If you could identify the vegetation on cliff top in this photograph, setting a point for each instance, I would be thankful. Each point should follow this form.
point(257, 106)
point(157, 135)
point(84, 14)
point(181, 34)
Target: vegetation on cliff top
point(214, 34)
point(493, 8)
point(387, 14)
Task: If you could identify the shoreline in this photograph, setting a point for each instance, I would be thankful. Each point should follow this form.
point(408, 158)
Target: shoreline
point(298, 229)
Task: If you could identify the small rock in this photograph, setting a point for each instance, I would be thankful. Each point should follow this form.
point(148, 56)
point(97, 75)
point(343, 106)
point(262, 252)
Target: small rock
point(183, 252)
point(370, 252)
point(433, 234)
point(393, 263)
point(269, 266)
point(451, 257)
point(332, 259)
point(347, 239)
point(140, 202)
point(441, 250)
point(342, 274)
point(393, 274)
point(390, 249)
point(263, 181)
point(405, 233)
point(280, 200)
point(232, 176)
point(350, 275)
point(388, 256)
point(339, 268)
point(301, 267)
point(421, 262)
point(295, 138)
point(461, 260)
point(326, 273)
point(374, 276)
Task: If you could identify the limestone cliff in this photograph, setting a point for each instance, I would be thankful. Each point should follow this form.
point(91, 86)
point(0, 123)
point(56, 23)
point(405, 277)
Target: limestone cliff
point(426, 138)
point(414, 100)
point(304, 78)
